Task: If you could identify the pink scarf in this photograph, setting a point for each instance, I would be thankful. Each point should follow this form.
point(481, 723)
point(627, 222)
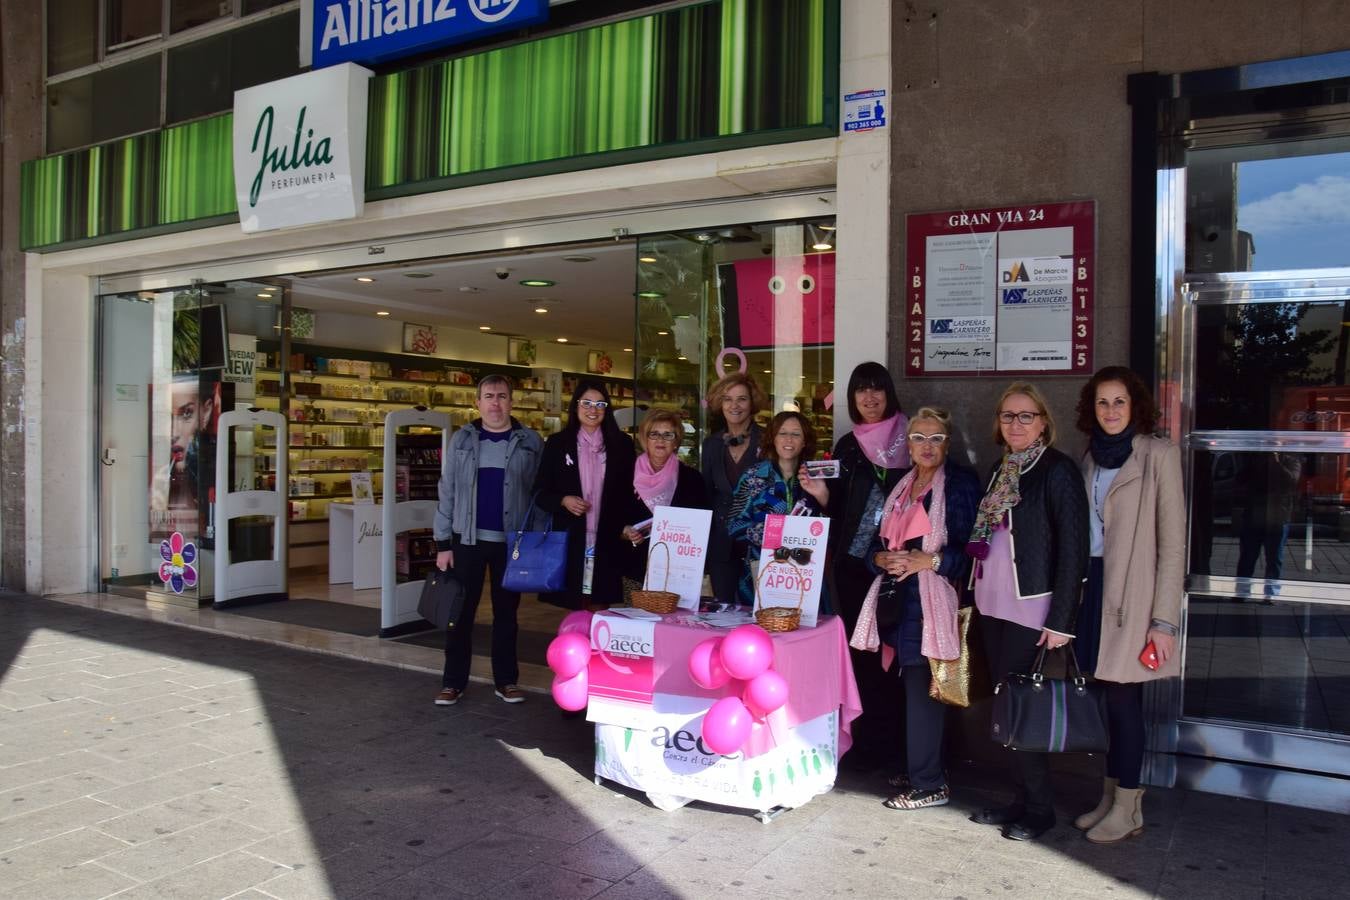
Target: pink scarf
point(655, 487)
point(941, 640)
point(591, 468)
point(884, 443)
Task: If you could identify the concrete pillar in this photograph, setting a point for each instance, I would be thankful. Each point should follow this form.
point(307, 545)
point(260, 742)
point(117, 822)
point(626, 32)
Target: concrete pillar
point(863, 201)
point(21, 98)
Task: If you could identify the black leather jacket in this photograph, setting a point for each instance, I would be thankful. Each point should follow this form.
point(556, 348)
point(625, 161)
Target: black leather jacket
point(1050, 536)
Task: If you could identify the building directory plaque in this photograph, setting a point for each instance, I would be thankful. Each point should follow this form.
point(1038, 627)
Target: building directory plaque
point(1000, 290)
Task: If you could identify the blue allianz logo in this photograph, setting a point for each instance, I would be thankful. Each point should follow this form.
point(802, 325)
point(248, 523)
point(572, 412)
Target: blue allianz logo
point(370, 31)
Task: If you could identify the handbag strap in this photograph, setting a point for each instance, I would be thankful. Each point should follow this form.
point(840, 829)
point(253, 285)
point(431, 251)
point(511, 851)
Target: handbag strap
point(1075, 673)
point(529, 514)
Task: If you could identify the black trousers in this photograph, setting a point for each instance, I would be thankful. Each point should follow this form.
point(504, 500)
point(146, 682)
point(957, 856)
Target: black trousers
point(1010, 647)
point(924, 722)
point(473, 564)
point(1125, 719)
point(876, 733)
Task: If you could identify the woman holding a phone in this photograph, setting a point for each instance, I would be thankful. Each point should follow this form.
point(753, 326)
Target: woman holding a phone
point(659, 479)
point(1131, 615)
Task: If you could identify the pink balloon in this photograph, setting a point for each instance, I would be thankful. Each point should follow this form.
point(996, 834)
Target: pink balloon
point(726, 725)
point(578, 620)
point(569, 654)
point(705, 665)
point(747, 650)
point(766, 692)
point(571, 693)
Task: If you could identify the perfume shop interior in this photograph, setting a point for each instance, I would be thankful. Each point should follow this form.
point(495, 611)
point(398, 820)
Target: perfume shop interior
point(335, 352)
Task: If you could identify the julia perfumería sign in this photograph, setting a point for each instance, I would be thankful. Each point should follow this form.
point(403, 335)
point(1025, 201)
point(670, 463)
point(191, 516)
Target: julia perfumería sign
point(300, 149)
point(370, 31)
point(1001, 290)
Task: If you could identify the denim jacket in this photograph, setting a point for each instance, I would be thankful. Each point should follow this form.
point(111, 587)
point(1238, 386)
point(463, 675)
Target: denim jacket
point(456, 511)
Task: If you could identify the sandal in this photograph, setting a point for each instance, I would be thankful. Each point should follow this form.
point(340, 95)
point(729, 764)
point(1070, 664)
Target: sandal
point(916, 799)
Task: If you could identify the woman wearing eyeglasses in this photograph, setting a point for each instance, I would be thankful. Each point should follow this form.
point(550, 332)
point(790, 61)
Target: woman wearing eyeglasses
point(910, 609)
point(727, 455)
point(1030, 545)
point(776, 484)
point(659, 479)
point(1133, 598)
point(585, 478)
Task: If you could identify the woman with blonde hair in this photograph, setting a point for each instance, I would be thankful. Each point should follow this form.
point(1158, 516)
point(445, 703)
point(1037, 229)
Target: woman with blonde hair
point(1030, 546)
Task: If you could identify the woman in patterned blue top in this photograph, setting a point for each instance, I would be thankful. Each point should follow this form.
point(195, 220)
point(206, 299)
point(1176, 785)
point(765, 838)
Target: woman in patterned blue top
point(775, 484)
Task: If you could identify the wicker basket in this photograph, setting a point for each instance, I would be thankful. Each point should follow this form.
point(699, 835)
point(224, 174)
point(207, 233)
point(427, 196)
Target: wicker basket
point(662, 601)
point(779, 619)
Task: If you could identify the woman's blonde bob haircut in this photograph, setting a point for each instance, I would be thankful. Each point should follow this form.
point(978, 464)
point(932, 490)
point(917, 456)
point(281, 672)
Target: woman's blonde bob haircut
point(934, 414)
point(1029, 390)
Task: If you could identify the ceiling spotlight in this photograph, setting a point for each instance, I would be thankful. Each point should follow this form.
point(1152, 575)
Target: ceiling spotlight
point(562, 340)
point(265, 296)
point(469, 289)
point(703, 237)
point(647, 258)
point(682, 358)
point(579, 259)
point(768, 371)
point(650, 295)
point(537, 282)
point(364, 279)
point(824, 227)
point(822, 245)
point(663, 333)
point(416, 274)
point(382, 312)
point(541, 309)
point(627, 349)
point(484, 327)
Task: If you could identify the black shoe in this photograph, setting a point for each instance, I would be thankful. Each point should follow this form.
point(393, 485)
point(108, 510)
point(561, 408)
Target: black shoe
point(999, 815)
point(1029, 828)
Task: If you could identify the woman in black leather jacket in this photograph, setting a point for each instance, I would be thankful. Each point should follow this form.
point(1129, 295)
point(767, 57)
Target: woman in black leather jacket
point(1030, 545)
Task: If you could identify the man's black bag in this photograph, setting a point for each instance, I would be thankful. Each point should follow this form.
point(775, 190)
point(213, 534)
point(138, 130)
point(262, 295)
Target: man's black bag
point(442, 600)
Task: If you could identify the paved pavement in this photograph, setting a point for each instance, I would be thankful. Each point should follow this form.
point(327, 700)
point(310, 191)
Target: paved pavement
point(144, 760)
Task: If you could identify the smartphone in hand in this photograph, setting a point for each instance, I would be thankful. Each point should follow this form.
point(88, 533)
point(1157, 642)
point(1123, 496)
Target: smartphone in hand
point(1149, 657)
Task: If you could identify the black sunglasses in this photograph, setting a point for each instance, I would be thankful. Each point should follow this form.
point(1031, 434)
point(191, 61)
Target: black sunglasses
point(800, 555)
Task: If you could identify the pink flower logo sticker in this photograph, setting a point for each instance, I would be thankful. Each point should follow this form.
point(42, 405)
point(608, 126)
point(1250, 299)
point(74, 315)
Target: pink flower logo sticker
point(177, 570)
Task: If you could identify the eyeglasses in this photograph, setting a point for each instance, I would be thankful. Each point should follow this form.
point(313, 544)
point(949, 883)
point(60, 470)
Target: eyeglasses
point(937, 440)
point(593, 404)
point(1022, 418)
point(800, 555)
point(666, 436)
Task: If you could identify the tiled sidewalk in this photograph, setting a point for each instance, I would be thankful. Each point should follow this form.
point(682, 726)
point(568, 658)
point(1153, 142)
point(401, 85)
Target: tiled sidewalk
point(139, 759)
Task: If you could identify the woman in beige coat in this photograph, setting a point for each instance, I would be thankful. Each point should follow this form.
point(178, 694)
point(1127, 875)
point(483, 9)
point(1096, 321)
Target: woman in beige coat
point(1131, 616)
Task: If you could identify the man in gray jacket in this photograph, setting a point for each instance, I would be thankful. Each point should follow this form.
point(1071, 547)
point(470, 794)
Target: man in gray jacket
point(485, 496)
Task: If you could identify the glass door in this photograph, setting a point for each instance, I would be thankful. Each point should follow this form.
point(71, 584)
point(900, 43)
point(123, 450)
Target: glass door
point(1267, 653)
point(170, 362)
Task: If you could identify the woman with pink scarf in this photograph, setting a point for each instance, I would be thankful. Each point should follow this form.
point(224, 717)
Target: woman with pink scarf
point(659, 479)
point(909, 612)
point(585, 477)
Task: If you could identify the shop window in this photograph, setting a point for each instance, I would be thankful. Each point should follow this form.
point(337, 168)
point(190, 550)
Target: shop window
point(204, 75)
point(753, 297)
point(252, 6)
point(72, 34)
point(185, 14)
point(103, 105)
point(132, 21)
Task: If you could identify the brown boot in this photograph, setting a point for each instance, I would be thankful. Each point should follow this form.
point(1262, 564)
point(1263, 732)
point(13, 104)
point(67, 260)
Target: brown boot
point(1125, 820)
point(1088, 819)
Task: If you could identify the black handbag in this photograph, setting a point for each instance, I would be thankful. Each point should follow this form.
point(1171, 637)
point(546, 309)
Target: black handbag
point(1050, 715)
point(442, 600)
point(536, 561)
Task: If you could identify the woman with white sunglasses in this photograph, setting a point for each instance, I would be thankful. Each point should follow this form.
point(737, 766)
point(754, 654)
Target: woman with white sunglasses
point(910, 611)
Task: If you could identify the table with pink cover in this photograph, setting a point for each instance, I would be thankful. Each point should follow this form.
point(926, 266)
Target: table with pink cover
point(648, 711)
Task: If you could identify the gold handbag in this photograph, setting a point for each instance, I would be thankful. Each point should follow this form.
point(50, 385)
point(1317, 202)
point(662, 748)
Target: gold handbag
point(951, 677)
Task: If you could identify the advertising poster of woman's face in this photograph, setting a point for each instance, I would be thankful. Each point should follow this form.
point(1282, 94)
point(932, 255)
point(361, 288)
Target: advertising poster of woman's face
point(182, 474)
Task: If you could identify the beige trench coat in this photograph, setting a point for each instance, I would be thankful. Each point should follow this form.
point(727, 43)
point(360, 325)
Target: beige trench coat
point(1144, 557)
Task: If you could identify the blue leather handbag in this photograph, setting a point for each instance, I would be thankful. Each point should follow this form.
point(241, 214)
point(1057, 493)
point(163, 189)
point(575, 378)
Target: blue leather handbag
point(537, 561)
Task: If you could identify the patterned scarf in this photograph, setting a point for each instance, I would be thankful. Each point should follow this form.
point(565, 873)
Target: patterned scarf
point(883, 443)
point(1002, 497)
point(941, 640)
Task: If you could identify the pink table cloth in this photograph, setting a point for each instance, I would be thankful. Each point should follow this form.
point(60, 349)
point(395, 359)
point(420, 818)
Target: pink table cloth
point(814, 661)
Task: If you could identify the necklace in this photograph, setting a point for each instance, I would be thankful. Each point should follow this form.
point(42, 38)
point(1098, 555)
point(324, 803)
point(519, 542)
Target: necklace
point(1098, 502)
